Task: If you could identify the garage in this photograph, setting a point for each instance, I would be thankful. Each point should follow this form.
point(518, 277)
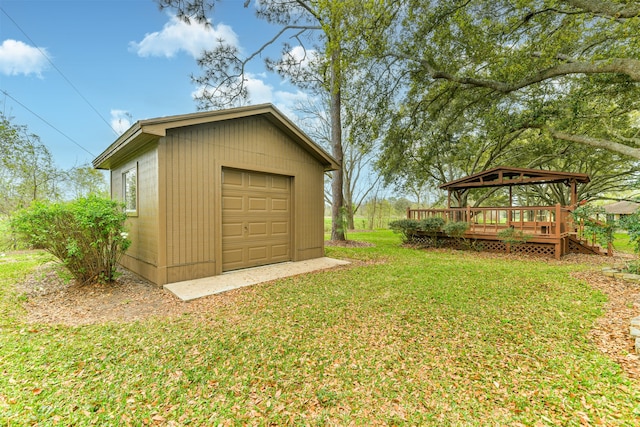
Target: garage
point(216, 191)
point(256, 219)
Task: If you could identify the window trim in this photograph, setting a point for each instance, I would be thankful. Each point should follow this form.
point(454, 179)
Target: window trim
point(125, 198)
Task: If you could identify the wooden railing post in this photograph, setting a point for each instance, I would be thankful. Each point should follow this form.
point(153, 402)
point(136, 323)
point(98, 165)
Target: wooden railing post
point(559, 219)
point(408, 213)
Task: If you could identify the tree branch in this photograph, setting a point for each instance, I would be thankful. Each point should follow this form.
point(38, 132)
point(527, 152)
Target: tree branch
point(588, 140)
point(627, 66)
point(607, 8)
point(276, 37)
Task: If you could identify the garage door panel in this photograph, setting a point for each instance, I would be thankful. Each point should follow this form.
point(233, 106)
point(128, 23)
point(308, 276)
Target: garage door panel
point(280, 251)
point(233, 255)
point(231, 177)
point(257, 204)
point(231, 230)
point(257, 229)
point(280, 204)
point(279, 228)
point(258, 254)
point(256, 219)
point(258, 181)
point(233, 203)
point(280, 183)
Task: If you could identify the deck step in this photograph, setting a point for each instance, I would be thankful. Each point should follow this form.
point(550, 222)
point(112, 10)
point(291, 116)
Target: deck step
point(584, 247)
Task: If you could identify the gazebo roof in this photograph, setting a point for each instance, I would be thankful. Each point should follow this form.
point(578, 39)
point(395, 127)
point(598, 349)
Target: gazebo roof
point(507, 177)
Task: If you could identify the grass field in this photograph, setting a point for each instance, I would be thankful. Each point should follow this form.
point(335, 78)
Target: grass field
point(622, 244)
point(401, 337)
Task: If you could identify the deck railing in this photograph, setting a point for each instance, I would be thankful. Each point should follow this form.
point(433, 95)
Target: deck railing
point(537, 221)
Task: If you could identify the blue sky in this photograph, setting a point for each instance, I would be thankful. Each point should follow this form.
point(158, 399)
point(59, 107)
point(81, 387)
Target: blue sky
point(77, 72)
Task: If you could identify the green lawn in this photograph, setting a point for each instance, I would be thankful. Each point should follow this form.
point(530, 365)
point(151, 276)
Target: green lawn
point(402, 337)
point(621, 243)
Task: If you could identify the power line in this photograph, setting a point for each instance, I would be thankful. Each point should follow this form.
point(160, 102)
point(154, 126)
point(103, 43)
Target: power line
point(59, 71)
point(49, 124)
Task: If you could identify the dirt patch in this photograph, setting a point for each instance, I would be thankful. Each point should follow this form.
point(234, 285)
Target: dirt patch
point(55, 300)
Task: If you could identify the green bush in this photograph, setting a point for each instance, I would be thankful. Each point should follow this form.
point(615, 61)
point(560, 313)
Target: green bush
point(431, 225)
point(409, 227)
point(87, 235)
point(406, 227)
point(456, 229)
point(512, 236)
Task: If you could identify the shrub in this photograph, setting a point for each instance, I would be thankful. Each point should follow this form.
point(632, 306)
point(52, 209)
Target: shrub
point(631, 223)
point(87, 235)
point(456, 229)
point(431, 225)
point(512, 236)
point(406, 227)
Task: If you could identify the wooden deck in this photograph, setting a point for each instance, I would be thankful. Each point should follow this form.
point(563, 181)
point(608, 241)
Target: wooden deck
point(549, 229)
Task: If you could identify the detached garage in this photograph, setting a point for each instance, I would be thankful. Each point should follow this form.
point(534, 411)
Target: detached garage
point(218, 191)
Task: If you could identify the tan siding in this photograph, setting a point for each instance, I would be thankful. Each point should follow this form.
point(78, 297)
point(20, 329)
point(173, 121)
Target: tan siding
point(194, 159)
point(142, 227)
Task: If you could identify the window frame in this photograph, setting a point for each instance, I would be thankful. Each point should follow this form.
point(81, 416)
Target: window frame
point(126, 189)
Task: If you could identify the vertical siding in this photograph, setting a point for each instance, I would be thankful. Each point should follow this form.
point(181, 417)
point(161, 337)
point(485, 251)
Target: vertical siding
point(143, 227)
point(194, 158)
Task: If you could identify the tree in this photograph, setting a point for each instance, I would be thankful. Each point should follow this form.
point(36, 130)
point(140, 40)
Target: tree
point(359, 153)
point(436, 146)
point(83, 181)
point(331, 34)
point(565, 69)
point(541, 84)
point(27, 171)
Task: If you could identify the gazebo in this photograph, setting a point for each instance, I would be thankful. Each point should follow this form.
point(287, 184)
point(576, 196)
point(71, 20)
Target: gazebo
point(549, 229)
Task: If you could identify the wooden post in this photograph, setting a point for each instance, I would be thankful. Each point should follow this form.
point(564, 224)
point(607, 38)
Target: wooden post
point(559, 219)
point(558, 245)
point(408, 213)
point(510, 212)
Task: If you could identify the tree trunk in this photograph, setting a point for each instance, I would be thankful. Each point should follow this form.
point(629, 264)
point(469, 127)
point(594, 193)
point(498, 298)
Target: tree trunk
point(351, 225)
point(337, 217)
point(347, 198)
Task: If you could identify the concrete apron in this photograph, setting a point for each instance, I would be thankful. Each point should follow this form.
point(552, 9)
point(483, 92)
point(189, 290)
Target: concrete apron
point(198, 288)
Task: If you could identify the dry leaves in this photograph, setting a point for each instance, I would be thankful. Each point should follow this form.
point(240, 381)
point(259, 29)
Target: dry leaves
point(611, 331)
point(131, 298)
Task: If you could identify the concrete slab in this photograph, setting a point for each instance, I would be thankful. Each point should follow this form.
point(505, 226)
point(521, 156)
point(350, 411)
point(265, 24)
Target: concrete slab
point(198, 288)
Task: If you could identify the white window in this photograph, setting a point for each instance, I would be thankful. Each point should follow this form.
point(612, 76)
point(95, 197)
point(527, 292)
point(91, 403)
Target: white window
point(130, 190)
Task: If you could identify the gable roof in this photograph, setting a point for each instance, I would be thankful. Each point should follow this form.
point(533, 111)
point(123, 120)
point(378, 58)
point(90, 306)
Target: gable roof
point(145, 131)
point(624, 208)
point(505, 176)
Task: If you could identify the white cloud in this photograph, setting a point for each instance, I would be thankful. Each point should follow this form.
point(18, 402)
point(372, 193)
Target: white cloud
point(177, 36)
point(302, 56)
point(17, 57)
point(120, 121)
point(261, 92)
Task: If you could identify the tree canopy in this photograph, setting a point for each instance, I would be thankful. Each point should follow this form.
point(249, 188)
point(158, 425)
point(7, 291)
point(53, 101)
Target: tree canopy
point(530, 83)
point(28, 172)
